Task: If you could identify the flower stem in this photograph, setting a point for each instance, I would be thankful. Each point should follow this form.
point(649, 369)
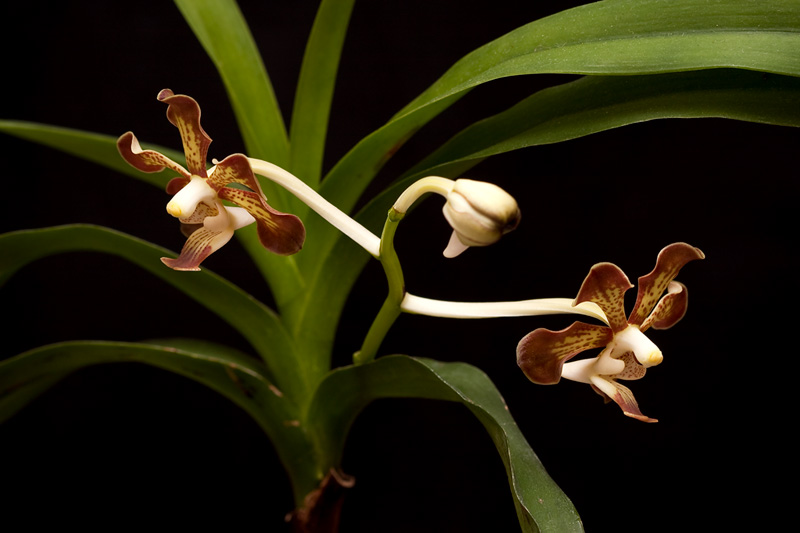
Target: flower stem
point(391, 307)
point(542, 306)
point(337, 218)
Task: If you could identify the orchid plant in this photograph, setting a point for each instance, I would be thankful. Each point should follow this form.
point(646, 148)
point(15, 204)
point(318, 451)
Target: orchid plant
point(718, 55)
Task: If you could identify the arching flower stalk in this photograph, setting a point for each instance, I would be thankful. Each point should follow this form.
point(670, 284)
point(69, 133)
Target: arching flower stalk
point(627, 352)
point(198, 194)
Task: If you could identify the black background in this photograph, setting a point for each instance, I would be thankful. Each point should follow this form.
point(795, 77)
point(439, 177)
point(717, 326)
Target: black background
point(124, 443)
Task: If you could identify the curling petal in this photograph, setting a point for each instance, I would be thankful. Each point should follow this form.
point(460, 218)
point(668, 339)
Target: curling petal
point(621, 395)
point(606, 285)
point(280, 233)
point(542, 353)
point(234, 169)
point(148, 161)
point(670, 309)
point(184, 113)
point(200, 244)
point(670, 261)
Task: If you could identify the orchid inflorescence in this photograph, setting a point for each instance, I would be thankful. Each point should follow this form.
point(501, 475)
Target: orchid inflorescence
point(479, 214)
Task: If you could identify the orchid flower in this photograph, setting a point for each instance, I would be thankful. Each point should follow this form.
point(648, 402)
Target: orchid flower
point(199, 194)
point(479, 212)
point(627, 352)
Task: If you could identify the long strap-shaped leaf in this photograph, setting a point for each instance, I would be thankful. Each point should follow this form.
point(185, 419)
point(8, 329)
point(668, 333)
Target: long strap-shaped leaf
point(280, 272)
point(611, 37)
point(257, 323)
point(592, 104)
point(240, 380)
point(96, 147)
point(540, 504)
point(557, 114)
point(224, 34)
point(314, 94)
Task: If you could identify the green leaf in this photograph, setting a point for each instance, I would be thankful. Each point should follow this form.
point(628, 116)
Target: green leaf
point(95, 147)
point(241, 380)
point(589, 105)
point(540, 503)
point(12, 401)
point(312, 102)
point(593, 104)
point(613, 37)
point(257, 323)
point(224, 34)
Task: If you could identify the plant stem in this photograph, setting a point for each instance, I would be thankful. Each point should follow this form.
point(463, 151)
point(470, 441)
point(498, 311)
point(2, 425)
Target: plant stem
point(541, 306)
point(337, 218)
point(391, 307)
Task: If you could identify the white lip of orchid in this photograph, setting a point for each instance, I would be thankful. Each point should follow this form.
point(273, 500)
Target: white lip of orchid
point(580, 371)
point(584, 370)
point(631, 339)
point(228, 219)
point(185, 201)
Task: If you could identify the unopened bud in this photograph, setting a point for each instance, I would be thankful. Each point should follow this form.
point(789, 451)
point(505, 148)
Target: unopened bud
point(479, 213)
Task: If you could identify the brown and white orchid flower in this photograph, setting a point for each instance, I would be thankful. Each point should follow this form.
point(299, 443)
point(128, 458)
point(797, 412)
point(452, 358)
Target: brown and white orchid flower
point(627, 352)
point(198, 193)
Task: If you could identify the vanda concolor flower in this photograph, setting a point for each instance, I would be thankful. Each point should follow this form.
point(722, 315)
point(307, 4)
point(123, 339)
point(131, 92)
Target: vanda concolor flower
point(198, 194)
point(627, 352)
point(479, 213)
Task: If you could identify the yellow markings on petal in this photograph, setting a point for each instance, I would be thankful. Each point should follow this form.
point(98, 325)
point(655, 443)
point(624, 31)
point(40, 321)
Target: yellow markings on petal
point(174, 209)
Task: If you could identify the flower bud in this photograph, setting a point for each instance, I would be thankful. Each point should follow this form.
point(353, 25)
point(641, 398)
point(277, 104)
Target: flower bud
point(479, 213)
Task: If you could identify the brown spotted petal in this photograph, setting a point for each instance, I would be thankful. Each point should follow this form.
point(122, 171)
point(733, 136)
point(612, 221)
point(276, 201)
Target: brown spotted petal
point(184, 113)
point(146, 160)
point(280, 233)
point(606, 285)
point(176, 184)
point(670, 309)
point(670, 261)
point(235, 169)
point(200, 244)
point(542, 353)
point(621, 395)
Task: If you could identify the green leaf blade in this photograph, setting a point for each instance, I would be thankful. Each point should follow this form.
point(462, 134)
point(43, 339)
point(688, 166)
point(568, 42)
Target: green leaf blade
point(593, 104)
point(258, 324)
point(95, 147)
point(540, 504)
point(314, 94)
point(238, 379)
point(222, 30)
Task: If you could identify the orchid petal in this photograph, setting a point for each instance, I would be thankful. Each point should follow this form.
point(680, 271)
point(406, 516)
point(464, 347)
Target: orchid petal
point(278, 232)
point(148, 161)
point(202, 211)
point(234, 169)
point(213, 235)
point(621, 395)
point(606, 285)
point(176, 184)
point(633, 370)
point(670, 309)
point(542, 353)
point(454, 246)
point(198, 247)
point(670, 261)
point(184, 113)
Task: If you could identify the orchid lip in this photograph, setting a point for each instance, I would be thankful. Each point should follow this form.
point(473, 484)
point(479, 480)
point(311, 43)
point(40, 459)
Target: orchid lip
point(631, 339)
point(185, 201)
